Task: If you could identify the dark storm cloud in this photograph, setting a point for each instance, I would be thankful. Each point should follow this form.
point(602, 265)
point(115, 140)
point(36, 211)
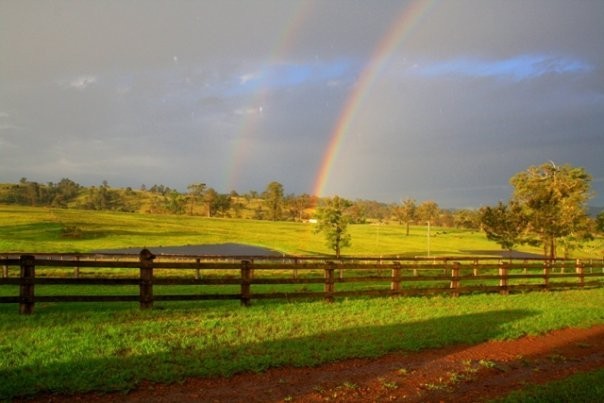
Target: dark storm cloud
point(235, 93)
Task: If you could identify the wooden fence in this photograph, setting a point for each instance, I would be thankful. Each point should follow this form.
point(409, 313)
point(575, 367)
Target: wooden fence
point(245, 278)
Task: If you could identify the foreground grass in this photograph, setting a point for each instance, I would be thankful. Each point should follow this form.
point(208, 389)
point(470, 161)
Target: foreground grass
point(583, 387)
point(81, 347)
point(30, 229)
point(113, 346)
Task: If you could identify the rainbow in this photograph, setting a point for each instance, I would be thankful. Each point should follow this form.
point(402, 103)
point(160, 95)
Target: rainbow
point(400, 30)
point(250, 122)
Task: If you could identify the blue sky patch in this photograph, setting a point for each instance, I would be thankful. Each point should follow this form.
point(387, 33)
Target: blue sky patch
point(517, 68)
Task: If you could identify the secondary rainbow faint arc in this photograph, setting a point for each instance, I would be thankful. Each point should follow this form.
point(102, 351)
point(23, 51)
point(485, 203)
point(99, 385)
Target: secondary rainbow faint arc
point(403, 26)
point(280, 49)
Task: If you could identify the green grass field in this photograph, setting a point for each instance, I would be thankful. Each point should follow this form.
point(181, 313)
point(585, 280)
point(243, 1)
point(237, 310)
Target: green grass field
point(583, 387)
point(26, 229)
point(76, 347)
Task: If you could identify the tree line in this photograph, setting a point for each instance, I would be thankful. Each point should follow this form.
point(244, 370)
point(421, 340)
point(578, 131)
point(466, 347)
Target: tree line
point(200, 200)
point(548, 207)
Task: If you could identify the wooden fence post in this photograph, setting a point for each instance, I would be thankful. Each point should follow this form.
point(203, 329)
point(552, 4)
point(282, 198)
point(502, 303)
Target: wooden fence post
point(146, 279)
point(546, 268)
point(580, 269)
point(246, 278)
point(198, 269)
point(524, 270)
point(395, 284)
point(503, 278)
point(475, 268)
point(5, 269)
point(76, 269)
point(26, 284)
point(329, 282)
point(455, 278)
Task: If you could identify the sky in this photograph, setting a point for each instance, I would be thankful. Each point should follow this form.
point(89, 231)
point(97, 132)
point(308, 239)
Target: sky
point(381, 100)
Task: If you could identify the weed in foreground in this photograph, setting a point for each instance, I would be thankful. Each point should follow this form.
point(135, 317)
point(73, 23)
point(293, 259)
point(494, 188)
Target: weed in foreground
point(350, 385)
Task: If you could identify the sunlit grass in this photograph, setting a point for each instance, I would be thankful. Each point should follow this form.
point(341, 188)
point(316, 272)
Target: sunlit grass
point(60, 230)
point(113, 346)
point(582, 387)
point(70, 347)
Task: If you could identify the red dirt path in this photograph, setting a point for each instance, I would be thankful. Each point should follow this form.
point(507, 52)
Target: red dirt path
point(455, 374)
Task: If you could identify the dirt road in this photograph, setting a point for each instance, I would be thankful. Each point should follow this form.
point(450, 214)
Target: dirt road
point(455, 374)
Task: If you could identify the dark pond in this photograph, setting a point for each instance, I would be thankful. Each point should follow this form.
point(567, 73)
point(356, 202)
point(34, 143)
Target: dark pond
point(223, 249)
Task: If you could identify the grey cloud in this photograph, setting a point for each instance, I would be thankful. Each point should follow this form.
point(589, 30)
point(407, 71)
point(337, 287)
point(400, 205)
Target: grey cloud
point(236, 93)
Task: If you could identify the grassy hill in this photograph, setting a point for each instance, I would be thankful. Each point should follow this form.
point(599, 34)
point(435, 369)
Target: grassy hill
point(213, 338)
point(157, 200)
point(35, 229)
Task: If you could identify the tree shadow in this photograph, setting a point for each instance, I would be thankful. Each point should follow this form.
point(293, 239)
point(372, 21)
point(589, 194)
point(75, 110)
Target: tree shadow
point(502, 253)
point(33, 231)
point(222, 249)
point(187, 358)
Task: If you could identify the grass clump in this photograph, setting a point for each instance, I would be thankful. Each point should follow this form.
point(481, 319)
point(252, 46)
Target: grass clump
point(582, 387)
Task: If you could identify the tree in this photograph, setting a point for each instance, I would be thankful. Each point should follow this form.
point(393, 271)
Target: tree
point(64, 192)
point(469, 219)
point(357, 212)
point(363, 210)
point(195, 195)
point(105, 198)
point(446, 218)
point(221, 205)
point(297, 204)
point(554, 199)
point(30, 191)
point(101, 198)
point(273, 197)
point(504, 224)
point(333, 222)
point(24, 193)
point(406, 213)
point(161, 189)
point(174, 202)
point(428, 211)
point(210, 197)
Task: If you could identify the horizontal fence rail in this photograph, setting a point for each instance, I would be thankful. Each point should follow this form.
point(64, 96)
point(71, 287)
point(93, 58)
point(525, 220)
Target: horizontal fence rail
point(245, 278)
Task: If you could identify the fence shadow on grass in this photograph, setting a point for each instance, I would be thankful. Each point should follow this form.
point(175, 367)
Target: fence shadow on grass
point(187, 358)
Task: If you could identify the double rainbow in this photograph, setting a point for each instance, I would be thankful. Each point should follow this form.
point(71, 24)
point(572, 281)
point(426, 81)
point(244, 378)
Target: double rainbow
point(403, 26)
